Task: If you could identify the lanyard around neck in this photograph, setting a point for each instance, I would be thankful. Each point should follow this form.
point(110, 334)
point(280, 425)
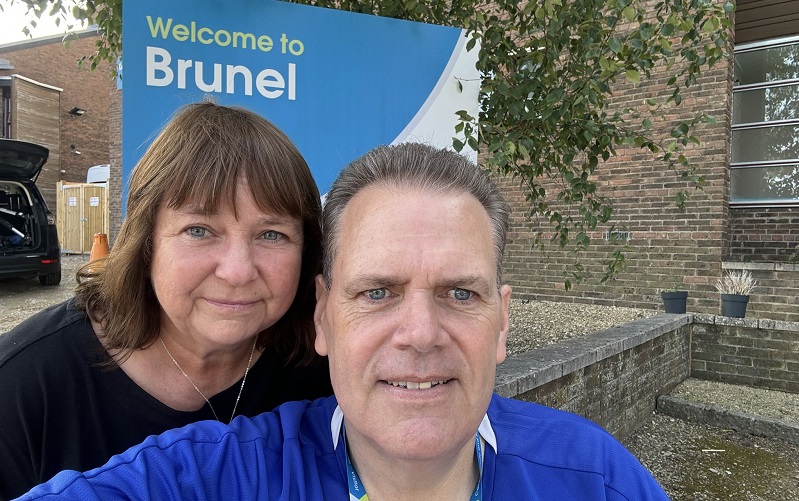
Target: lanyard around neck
point(358, 491)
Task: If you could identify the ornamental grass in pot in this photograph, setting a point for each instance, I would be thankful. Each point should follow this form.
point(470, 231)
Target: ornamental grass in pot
point(735, 288)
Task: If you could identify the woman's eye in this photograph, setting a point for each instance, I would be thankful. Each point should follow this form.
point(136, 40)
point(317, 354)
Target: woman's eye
point(460, 294)
point(196, 231)
point(376, 294)
point(271, 235)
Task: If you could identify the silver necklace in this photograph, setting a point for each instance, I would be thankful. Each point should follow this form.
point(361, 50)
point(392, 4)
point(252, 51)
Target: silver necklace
point(241, 388)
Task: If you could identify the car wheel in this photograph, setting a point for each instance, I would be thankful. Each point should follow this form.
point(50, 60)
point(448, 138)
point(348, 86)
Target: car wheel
point(50, 279)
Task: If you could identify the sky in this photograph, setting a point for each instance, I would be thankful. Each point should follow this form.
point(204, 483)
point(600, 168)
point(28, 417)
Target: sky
point(13, 19)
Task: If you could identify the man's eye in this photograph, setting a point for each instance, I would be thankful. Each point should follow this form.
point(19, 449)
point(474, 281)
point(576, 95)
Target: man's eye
point(271, 235)
point(376, 294)
point(196, 232)
point(460, 294)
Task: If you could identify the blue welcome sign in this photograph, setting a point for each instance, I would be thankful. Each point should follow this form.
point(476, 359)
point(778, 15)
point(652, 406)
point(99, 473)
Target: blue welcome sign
point(336, 82)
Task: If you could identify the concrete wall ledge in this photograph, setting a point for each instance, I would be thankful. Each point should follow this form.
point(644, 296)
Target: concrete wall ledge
point(526, 371)
point(730, 265)
point(754, 323)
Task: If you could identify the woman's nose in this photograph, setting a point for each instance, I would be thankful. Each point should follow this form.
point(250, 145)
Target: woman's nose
point(236, 265)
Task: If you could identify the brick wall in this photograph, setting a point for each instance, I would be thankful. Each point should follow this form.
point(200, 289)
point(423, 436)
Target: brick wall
point(761, 353)
point(612, 377)
point(49, 61)
point(666, 246)
point(115, 147)
point(765, 234)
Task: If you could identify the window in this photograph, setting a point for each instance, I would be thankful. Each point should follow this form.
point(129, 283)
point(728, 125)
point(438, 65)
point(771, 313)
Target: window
point(765, 124)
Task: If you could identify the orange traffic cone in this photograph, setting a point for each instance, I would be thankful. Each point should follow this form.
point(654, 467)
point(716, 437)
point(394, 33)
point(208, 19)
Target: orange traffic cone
point(99, 247)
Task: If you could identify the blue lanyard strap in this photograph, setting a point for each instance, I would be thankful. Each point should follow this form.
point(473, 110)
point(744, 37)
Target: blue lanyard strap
point(477, 495)
point(358, 491)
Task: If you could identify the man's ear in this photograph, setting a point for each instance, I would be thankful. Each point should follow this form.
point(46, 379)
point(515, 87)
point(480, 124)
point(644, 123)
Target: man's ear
point(319, 316)
point(504, 324)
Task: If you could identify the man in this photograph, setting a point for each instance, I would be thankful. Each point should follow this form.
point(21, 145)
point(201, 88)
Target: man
point(413, 317)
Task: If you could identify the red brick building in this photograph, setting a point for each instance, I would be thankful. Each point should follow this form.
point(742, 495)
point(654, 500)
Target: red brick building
point(48, 99)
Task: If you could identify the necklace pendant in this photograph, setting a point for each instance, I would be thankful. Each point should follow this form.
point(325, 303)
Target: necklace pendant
point(197, 389)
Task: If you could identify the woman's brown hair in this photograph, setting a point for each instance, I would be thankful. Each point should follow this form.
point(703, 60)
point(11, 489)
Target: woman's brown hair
point(198, 158)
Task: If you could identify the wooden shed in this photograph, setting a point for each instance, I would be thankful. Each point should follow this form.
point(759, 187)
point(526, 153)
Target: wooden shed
point(35, 117)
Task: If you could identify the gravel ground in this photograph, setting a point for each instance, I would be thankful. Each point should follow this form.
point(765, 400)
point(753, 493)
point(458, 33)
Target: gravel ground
point(540, 323)
point(693, 462)
point(21, 298)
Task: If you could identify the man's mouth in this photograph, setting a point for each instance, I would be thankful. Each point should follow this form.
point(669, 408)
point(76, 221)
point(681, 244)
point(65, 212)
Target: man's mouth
point(411, 385)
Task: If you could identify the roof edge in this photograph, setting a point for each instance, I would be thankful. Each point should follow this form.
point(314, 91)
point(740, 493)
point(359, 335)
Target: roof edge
point(53, 87)
point(49, 39)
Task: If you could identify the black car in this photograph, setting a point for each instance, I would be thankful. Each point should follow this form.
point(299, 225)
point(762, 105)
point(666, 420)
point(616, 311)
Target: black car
point(28, 237)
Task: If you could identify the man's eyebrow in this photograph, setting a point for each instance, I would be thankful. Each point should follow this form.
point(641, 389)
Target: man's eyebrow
point(366, 281)
point(375, 279)
point(476, 282)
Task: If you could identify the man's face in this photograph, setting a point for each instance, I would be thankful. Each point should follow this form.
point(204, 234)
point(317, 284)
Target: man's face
point(413, 323)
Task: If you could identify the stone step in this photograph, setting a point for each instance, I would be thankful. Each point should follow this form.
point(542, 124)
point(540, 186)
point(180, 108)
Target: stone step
point(760, 412)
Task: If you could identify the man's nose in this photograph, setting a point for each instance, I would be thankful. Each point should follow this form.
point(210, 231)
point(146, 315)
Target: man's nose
point(420, 322)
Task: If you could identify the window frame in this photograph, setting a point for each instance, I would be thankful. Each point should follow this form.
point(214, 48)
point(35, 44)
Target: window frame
point(742, 49)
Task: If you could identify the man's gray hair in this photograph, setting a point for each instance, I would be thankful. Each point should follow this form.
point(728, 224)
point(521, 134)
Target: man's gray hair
point(412, 165)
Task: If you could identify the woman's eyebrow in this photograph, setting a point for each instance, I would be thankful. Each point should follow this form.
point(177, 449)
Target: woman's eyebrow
point(194, 210)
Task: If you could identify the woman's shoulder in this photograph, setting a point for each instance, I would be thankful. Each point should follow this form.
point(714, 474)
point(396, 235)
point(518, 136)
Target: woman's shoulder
point(51, 331)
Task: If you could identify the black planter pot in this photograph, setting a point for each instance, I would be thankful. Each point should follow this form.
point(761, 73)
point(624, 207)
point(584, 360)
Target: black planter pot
point(674, 302)
point(734, 305)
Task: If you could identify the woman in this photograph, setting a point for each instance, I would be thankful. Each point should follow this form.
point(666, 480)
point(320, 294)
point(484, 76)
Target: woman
point(203, 309)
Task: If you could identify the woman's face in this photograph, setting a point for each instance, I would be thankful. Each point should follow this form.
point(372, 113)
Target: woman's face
point(219, 279)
